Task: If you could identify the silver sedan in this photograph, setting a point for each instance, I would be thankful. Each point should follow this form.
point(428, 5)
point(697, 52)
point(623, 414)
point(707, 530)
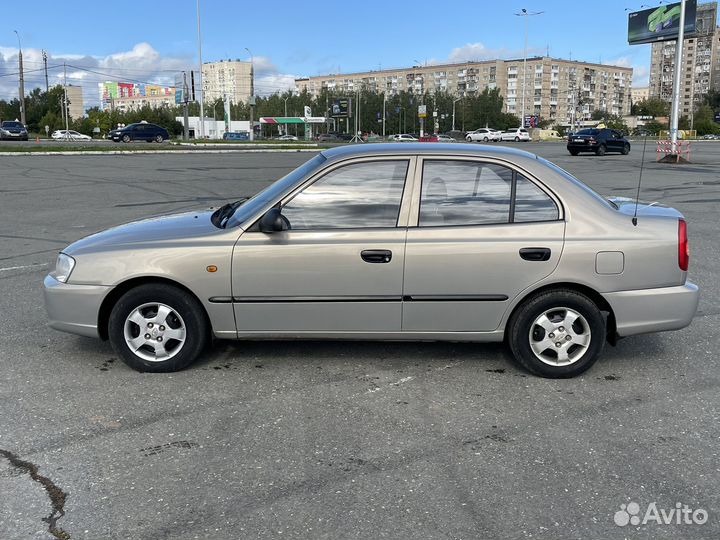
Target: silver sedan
point(387, 242)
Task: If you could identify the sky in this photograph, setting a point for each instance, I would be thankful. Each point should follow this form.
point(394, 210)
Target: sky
point(152, 41)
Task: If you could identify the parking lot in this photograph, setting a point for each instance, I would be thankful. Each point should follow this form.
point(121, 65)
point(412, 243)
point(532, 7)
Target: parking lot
point(340, 440)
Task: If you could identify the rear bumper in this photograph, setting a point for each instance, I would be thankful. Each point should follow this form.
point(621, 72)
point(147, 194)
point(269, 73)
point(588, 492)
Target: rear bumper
point(73, 308)
point(654, 310)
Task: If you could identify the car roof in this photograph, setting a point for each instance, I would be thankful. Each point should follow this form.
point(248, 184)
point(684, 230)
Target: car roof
point(451, 149)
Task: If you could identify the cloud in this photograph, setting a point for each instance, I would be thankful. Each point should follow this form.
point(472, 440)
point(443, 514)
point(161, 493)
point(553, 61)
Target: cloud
point(478, 51)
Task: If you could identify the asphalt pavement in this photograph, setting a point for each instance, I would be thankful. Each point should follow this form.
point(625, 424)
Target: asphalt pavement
point(324, 440)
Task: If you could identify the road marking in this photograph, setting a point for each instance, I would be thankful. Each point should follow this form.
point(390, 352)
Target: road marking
point(22, 267)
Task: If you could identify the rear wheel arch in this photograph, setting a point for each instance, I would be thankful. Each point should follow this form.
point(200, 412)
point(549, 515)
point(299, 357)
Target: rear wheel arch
point(119, 290)
point(591, 293)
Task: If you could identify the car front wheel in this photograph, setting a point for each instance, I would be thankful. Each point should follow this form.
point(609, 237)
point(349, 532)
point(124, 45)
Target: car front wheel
point(557, 334)
point(158, 328)
point(126, 138)
point(625, 150)
point(600, 150)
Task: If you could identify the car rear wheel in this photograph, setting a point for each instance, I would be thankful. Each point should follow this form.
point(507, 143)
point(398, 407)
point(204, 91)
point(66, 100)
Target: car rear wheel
point(517, 139)
point(158, 138)
point(158, 328)
point(573, 152)
point(485, 139)
point(126, 138)
point(600, 150)
point(557, 334)
point(625, 149)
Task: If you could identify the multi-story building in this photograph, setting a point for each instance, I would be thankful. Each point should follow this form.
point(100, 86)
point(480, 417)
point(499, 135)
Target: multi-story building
point(553, 87)
point(701, 62)
point(76, 108)
point(132, 96)
point(639, 93)
point(231, 77)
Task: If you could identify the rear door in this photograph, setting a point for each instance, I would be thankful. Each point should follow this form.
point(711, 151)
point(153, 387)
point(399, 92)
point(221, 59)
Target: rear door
point(483, 232)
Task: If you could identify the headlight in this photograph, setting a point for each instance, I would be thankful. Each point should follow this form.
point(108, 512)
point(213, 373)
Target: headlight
point(64, 267)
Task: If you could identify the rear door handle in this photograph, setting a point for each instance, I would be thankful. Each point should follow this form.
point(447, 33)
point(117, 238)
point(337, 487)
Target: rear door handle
point(535, 253)
point(376, 255)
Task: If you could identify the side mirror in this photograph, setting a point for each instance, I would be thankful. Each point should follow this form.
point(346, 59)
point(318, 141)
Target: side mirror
point(273, 221)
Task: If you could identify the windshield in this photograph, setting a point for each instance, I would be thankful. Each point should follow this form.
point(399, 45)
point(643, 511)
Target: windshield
point(273, 192)
point(12, 125)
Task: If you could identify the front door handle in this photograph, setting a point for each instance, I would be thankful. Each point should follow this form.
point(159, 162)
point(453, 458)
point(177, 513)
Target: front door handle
point(535, 253)
point(376, 255)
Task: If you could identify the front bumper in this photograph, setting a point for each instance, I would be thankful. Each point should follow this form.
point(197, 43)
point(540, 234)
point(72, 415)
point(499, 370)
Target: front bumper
point(654, 310)
point(73, 308)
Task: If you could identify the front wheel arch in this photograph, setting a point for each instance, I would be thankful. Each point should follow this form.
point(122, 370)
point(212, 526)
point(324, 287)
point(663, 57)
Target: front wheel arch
point(119, 290)
point(592, 294)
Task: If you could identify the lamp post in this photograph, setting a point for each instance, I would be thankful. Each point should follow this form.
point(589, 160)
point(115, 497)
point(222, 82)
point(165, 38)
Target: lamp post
point(252, 94)
point(286, 100)
point(525, 13)
point(454, 102)
point(21, 89)
point(202, 94)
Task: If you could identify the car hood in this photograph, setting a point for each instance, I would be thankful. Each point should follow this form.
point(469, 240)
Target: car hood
point(626, 205)
point(147, 231)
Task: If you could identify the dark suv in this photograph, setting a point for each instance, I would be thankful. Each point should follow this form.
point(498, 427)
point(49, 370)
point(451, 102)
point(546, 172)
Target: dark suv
point(598, 140)
point(140, 132)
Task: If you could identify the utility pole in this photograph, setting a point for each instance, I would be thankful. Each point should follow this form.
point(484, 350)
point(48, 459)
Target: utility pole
point(252, 95)
point(186, 120)
point(525, 13)
point(65, 99)
point(675, 112)
point(384, 102)
point(47, 86)
point(21, 89)
point(202, 96)
point(453, 120)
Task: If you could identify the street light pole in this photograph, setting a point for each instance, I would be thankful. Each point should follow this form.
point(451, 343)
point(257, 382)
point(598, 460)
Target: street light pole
point(202, 94)
point(675, 112)
point(21, 89)
point(525, 13)
point(454, 102)
point(252, 94)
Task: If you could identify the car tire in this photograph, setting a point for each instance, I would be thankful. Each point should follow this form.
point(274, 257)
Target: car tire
point(158, 328)
point(468, 139)
point(625, 149)
point(517, 139)
point(159, 139)
point(600, 150)
point(573, 152)
point(548, 314)
point(485, 139)
point(126, 138)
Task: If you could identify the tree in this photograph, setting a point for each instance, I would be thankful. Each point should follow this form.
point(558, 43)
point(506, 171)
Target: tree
point(651, 107)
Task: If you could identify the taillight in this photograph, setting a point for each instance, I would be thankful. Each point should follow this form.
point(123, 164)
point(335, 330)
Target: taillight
point(683, 246)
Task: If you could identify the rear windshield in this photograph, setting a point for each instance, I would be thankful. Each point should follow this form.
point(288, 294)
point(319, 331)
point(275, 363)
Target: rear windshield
point(12, 124)
point(588, 132)
point(571, 178)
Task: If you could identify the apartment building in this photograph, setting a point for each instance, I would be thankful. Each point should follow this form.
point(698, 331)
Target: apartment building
point(131, 96)
point(701, 62)
point(639, 93)
point(553, 87)
point(227, 77)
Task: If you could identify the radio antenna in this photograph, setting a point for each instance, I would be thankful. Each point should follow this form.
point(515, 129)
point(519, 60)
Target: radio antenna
point(637, 196)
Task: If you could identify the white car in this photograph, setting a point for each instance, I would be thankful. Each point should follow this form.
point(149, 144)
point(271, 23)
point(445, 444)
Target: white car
point(403, 137)
point(517, 134)
point(287, 138)
point(483, 135)
point(62, 134)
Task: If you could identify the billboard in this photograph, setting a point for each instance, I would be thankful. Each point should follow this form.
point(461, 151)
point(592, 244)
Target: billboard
point(340, 108)
point(661, 23)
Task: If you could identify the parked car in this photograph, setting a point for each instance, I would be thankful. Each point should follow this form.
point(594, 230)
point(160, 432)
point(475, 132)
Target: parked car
point(328, 137)
point(436, 137)
point(286, 137)
point(142, 131)
point(405, 137)
point(345, 136)
point(456, 134)
point(13, 131)
point(598, 140)
point(387, 242)
point(517, 135)
point(483, 135)
point(62, 134)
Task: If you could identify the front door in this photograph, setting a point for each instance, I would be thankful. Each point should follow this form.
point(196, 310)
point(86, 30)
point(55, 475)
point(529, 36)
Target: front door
point(339, 268)
point(484, 233)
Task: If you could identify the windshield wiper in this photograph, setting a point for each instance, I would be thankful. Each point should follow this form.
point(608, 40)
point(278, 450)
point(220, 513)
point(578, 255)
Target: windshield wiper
point(221, 216)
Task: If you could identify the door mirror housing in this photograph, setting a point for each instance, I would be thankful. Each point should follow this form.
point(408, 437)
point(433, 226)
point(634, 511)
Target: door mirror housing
point(274, 221)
